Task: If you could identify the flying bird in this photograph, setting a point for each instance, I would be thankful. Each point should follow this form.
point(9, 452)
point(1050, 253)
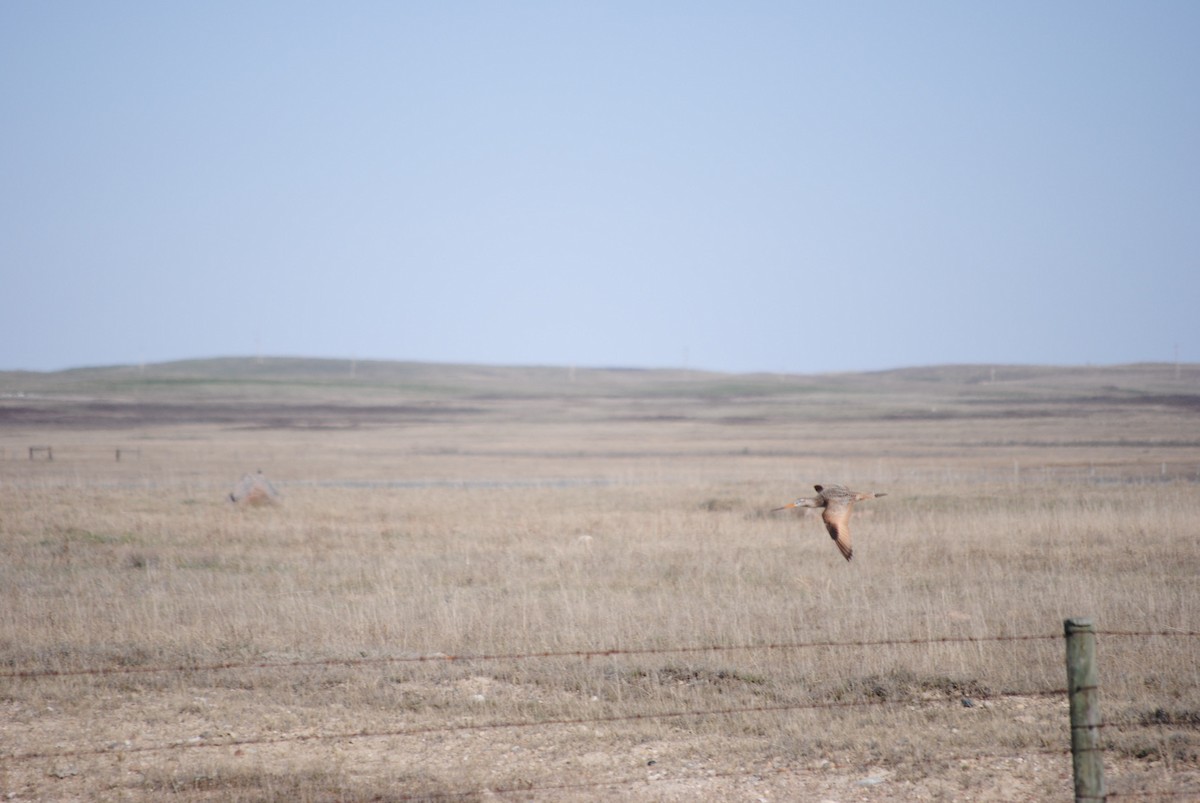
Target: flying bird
point(837, 500)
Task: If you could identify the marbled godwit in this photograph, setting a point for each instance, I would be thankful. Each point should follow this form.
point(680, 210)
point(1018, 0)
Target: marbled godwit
point(836, 501)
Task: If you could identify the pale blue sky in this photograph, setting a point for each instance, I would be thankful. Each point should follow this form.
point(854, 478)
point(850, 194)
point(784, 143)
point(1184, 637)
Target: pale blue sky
point(736, 186)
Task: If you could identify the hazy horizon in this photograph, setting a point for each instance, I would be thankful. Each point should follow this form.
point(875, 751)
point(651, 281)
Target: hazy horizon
point(774, 187)
point(350, 361)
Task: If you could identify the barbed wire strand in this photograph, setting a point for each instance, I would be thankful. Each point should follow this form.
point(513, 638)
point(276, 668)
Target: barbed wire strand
point(1144, 633)
point(33, 674)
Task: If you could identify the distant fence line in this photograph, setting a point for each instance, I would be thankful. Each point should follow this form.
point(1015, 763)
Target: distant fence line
point(1125, 474)
point(1157, 468)
point(46, 452)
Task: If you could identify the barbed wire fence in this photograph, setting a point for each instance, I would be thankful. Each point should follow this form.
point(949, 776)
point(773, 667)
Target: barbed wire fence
point(1089, 751)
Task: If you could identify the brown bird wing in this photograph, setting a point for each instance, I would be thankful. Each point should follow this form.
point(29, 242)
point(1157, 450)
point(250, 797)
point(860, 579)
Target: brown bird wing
point(837, 521)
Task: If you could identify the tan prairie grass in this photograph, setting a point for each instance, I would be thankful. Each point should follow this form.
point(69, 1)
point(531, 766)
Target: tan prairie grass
point(586, 596)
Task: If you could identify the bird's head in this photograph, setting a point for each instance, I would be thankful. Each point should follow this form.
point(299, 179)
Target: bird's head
point(798, 503)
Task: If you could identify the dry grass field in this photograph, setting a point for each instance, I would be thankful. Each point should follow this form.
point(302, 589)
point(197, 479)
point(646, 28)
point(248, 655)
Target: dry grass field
point(538, 584)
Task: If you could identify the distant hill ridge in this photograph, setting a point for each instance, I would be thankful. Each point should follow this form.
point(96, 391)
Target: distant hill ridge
point(222, 375)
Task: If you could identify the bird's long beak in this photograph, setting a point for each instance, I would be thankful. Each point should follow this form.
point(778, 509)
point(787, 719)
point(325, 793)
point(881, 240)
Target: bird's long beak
point(785, 507)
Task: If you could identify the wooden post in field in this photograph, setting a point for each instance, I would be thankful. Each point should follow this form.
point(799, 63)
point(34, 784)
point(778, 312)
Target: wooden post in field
point(1086, 754)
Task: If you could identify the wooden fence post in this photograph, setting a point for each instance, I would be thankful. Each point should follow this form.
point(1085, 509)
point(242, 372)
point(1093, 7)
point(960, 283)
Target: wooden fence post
point(1086, 754)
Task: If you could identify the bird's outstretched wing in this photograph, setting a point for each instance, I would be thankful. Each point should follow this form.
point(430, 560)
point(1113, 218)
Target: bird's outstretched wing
point(837, 522)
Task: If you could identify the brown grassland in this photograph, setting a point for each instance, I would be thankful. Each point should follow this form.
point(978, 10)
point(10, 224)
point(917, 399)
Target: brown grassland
point(541, 584)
